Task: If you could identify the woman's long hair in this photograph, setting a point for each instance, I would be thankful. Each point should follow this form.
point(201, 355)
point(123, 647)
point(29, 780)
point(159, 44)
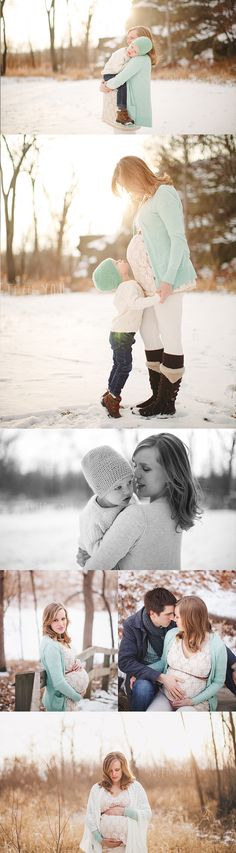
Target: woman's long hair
point(144, 31)
point(195, 621)
point(181, 490)
point(126, 778)
point(49, 614)
point(129, 169)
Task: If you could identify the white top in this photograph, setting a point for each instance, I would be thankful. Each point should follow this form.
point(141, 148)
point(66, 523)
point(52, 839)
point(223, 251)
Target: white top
point(138, 260)
point(117, 61)
point(130, 302)
point(95, 520)
point(141, 537)
point(193, 671)
point(137, 830)
point(114, 826)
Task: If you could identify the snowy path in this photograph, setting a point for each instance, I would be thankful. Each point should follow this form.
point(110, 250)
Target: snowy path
point(45, 105)
point(56, 358)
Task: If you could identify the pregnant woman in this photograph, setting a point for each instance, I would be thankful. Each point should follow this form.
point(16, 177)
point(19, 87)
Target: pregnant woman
point(136, 74)
point(118, 811)
point(159, 258)
point(148, 536)
point(67, 680)
point(196, 656)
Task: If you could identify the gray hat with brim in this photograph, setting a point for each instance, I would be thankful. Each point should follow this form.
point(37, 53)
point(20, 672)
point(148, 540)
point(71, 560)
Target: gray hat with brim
point(106, 276)
point(144, 44)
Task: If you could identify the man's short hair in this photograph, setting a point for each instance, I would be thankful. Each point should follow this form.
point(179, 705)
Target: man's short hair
point(158, 598)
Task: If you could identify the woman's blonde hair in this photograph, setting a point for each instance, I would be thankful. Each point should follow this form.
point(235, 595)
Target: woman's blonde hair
point(130, 169)
point(195, 620)
point(126, 778)
point(49, 614)
point(144, 31)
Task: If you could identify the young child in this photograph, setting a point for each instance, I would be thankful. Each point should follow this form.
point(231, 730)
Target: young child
point(138, 47)
point(130, 303)
point(110, 477)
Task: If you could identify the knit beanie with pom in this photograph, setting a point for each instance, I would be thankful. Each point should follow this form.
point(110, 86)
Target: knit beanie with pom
point(143, 44)
point(106, 276)
point(103, 467)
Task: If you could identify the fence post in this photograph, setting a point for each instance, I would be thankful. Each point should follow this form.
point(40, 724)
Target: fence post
point(105, 679)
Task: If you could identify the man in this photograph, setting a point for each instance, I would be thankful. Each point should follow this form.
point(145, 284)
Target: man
point(142, 644)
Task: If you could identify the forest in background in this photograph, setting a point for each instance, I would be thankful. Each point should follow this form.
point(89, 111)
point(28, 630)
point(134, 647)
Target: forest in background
point(203, 169)
point(192, 39)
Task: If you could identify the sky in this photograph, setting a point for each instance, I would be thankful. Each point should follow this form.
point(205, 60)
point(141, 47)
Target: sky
point(100, 733)
point(26, 21)
point(63, 449)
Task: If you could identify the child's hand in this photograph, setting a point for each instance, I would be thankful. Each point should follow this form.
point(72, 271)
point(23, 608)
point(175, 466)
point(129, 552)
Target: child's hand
point(82, 557)
point(165, 291)
point(132, 681)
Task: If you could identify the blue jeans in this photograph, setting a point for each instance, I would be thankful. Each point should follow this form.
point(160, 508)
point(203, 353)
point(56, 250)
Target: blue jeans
point(121, 344)
point(121, 92)
point(142, 694)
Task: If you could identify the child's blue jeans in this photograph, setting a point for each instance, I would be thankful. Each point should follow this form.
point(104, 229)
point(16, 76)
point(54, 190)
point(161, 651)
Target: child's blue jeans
point(121, 92)
point(121, 344)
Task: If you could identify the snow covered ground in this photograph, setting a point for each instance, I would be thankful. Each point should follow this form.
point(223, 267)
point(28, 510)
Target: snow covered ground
point(45, 105)
point(47, 539)
point(56, 359)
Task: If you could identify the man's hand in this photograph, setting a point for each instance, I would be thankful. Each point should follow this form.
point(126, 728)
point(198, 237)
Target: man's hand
point(132, 681)
point(172, 685)
point(82, 557)
point(165, 291)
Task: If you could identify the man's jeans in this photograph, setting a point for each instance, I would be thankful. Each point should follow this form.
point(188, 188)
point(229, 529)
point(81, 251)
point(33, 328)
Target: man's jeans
point(121, 344)
point(121, 92)
point(142, 694)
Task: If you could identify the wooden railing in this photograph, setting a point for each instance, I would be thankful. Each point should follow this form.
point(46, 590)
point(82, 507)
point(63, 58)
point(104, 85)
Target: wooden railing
point(28, 685)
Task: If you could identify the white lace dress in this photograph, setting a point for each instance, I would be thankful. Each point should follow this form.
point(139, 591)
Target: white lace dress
point(77, 678)
point(114, 826)
point(194, 670)
point(138, 259)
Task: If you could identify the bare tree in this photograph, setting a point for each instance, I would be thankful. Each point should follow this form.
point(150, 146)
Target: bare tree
point(195, 769)
point(4, 51)
point(32, 580)
point(87, 30)
point(17, 158)
point(19, 596)
point(170, 54)
point(2, 650)
point(69, 24)
point(218, 779)
point(50, 6)
point(89, 609)
point(67, 201)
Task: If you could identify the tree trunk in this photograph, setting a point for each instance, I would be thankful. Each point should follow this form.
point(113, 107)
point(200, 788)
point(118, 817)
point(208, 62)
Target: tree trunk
point(89, 609)
point(32, 580)
point(107, 606)
point(4, 52)
point(232, 732)
point(196, 773)
point(20, 615)
point(3, 667)
point(169, 39)
point(51, 27)
point(218, 779)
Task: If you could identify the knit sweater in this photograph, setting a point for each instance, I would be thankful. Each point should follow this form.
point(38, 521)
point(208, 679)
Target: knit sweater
point(161, 221)
point(95, 520)
point(116, 61)
point(141, 537)
point(216, 678)
point(130, 302)
point(57, 689)
point(137, 75)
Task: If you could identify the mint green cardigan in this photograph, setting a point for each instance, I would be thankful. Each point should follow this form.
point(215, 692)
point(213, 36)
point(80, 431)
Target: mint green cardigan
point(216, 678)
point(137, 75)
point(57, 690)
point(161, 222)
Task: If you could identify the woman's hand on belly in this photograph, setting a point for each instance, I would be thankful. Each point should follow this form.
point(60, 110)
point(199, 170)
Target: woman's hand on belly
point(110, 842)
point(165, 290)
point(179, 703)
point(115, 810)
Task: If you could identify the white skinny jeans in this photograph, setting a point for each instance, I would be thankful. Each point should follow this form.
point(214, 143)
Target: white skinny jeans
point(162, 326)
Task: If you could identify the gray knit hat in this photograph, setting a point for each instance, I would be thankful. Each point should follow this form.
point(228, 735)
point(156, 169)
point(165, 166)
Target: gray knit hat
point(103, 467)
point(144, 44)
point(106, 276)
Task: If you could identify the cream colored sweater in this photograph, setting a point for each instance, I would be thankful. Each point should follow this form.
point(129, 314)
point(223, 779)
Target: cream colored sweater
point(130, 302)
point(141, 537)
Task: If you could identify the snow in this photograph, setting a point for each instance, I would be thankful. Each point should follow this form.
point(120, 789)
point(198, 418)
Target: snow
point(56, 359)
point(44, 105)
point(47, 538)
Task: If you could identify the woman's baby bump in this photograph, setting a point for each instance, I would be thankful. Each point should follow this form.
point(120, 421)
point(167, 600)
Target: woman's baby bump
point(114, 826)
point(78, 679)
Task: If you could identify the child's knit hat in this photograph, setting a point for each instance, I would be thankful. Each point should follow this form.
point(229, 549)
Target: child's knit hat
point(106, 276)
point(103, 467)
point(143, 43)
